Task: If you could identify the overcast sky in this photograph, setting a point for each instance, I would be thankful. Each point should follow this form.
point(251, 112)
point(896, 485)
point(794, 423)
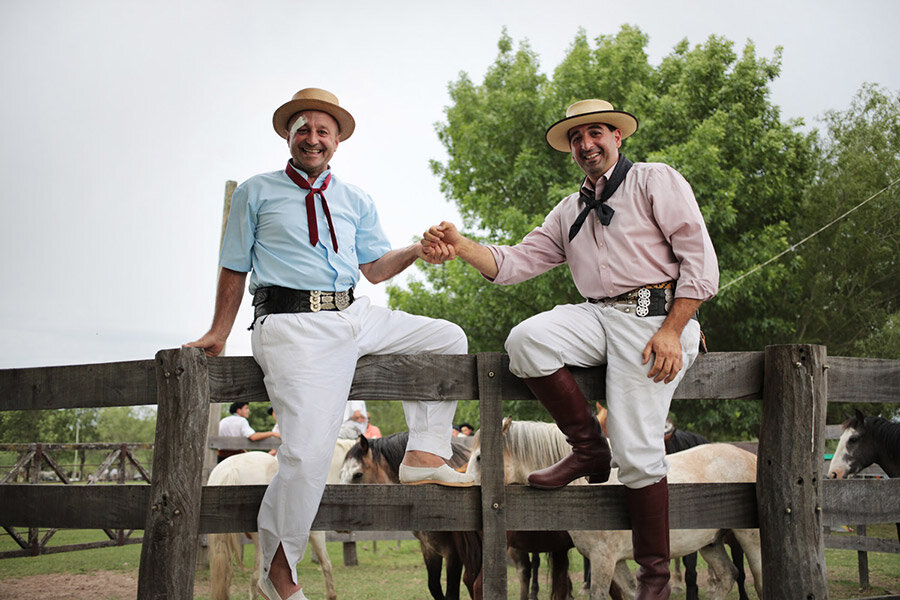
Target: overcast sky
point(121, 122)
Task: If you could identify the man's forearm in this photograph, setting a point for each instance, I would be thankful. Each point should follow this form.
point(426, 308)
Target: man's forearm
point(390, 264)
point(681, 312)
point(479, 256)
point(229, 292)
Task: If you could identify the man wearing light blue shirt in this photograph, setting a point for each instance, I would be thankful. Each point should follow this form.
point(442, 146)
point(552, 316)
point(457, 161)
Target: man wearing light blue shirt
point(305, 236)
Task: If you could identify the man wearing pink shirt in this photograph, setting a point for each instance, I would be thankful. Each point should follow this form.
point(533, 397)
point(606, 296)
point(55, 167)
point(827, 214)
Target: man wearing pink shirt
point(637, 246)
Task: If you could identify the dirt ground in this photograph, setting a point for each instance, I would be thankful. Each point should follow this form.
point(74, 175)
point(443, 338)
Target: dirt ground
point(98, 585)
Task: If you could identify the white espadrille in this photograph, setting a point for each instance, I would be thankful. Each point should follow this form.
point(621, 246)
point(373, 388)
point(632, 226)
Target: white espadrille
point(270, 593)
point(442, 475)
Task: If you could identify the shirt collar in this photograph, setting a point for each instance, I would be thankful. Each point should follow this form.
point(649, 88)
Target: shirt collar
point(591, 190)
point(305, 176)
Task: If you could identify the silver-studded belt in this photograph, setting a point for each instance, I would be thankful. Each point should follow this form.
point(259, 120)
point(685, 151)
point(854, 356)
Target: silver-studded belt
point(652, 300)
point(276, 299)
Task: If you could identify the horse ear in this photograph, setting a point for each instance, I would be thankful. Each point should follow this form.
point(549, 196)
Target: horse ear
point(364, 444)
point(507, 423)
point(860, 418)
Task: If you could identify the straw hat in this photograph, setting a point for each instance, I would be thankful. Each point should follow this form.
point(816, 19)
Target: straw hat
point(589, 111)
point(313, 99)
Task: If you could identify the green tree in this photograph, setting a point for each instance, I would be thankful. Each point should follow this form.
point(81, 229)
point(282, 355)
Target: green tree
point(704, 110)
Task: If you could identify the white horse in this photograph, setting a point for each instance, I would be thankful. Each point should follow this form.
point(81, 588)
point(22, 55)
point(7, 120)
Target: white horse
point(258, 468)
point(529, 446)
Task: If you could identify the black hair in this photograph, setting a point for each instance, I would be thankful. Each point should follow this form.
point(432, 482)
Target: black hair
point(236, 405)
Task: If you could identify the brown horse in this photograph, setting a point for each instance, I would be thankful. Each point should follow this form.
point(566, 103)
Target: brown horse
point(378, 461)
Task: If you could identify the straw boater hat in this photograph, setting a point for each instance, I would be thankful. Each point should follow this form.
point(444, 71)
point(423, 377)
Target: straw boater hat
point(589, 111)
point(313, 99)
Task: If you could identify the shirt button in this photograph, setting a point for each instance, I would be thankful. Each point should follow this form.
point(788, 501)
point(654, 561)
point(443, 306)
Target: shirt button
point(600, 244)
point(602, 266)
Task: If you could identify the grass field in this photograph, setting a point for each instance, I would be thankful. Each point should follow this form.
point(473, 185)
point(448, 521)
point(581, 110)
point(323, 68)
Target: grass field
point(386, 571)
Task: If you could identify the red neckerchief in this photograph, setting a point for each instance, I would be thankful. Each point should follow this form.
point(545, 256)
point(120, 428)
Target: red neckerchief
point(311, 205)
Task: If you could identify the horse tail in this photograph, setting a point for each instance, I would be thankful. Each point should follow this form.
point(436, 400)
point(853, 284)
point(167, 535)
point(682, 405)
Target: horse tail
point(224, 548)
point(561, 586)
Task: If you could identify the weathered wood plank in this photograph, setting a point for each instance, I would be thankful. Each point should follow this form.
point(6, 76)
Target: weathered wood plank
point(173, 518)
point(74, 506)
point(713, 375)
point(78, 386)
point(492, 386)
point(789, 490)
point(860, 501)
point(863, 379)
point(239, 443)
point(862, 544)
point(234, 508)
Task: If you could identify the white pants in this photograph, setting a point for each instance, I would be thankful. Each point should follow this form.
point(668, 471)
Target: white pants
point(308, 361)
point(586, 335)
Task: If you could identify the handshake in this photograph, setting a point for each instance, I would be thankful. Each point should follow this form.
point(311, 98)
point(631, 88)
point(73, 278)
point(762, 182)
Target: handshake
point(441, 243)
point(444, 242)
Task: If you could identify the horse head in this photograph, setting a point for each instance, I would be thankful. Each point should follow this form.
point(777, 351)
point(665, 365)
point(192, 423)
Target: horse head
point(364, 465)
point(855, 450)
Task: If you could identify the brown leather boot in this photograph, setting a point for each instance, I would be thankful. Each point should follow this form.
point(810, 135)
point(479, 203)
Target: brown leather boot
point(649, 511)
point(590, 451)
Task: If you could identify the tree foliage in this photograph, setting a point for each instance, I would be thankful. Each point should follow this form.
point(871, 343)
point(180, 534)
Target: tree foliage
point(705, 110)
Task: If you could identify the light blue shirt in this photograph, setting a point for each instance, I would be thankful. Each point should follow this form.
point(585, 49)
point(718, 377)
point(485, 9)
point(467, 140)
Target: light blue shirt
point(268, 236)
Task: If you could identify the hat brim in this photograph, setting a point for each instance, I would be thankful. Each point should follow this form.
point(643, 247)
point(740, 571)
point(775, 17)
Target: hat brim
point(558, 133)
point(287, 110)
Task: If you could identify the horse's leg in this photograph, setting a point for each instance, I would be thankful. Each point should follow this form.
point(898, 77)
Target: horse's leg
point(622, 586)
point(534, 568)
point(721, 570)
point(257, 567)
point(454, 575)
point(320, 552)
point(750, 544)
point(587, 574)
point(522, 563)
point(561, 585)
point(602, 569)
point(677, 579)
point(690, 576)
point(433, 569)
point(737, 557)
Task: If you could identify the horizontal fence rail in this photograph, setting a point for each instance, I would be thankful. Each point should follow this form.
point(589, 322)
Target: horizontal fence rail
point(717, 375)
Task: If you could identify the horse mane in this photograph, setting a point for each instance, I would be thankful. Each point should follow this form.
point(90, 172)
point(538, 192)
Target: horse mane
point(887, 433)
point(536, 444)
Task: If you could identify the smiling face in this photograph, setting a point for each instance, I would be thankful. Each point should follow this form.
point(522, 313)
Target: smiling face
point(595, 148)
point(314, 143)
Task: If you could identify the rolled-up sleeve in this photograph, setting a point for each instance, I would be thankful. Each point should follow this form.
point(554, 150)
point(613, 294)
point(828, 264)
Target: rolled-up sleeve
point(537, 253)
point(240, 234)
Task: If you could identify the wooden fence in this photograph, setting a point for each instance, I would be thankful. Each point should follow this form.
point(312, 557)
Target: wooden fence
point(790, 503)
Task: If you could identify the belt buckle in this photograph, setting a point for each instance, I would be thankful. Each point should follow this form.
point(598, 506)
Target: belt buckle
point(315, 302)
point(643, 302)
point(342, 299)
point(328, 301)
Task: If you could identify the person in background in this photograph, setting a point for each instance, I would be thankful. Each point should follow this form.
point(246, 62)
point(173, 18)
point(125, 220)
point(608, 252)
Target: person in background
point(237, 425)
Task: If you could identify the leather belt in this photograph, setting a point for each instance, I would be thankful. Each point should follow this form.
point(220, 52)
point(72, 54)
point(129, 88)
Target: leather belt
point(276, 299)
point(653, 300)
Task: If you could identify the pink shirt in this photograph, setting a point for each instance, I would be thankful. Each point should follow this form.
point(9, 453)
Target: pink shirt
point(657, 234)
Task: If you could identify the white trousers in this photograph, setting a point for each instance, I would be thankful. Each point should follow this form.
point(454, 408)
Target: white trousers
point(586, 335)
point(308, 361)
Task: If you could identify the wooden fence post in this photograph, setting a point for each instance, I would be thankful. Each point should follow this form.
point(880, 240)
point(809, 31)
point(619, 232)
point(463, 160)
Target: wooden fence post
point(789, 486)
point(169, 551)
point(493, 492)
